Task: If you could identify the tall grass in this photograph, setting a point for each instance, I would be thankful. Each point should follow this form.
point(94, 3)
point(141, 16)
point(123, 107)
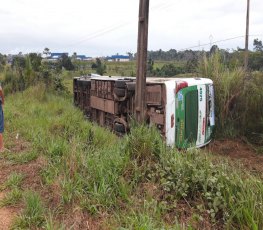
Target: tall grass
point(100, 174)
point(238, 98)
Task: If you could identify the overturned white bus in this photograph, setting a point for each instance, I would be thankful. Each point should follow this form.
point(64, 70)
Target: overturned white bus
point(181, 108)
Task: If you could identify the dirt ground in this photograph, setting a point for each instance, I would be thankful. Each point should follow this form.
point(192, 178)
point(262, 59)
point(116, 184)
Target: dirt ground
point(238, 152)
point(31, 180)
point(6, 215)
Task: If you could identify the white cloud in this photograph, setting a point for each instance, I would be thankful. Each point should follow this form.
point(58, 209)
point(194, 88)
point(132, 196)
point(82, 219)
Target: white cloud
point(104, 27)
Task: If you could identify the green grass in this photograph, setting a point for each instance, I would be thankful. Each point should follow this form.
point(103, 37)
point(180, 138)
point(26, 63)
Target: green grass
point(103, 175)
point(32, 215)
point(238, 99)
point(121, 68)
point(22, 158)
point(13, 184)
point(11, 198)
point(14, 180)
point(50, 224)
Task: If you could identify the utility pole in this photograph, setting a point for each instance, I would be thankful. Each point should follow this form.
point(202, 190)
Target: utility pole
point(140, 104)
point(247, 34)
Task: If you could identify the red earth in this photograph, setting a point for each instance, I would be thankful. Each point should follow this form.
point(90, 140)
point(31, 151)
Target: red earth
point(237, 151)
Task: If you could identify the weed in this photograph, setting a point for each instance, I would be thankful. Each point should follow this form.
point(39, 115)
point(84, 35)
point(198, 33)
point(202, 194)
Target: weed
point(227, 192)
point(238, 99)
point(22, 158)
point(144, 142)
point(50, 224)
point(147, 216)
point(68, 190)
point(11, 198)
point(32, 215)
point(49, 173)
point(13, 181)
point(102, 174)
point(100, 181)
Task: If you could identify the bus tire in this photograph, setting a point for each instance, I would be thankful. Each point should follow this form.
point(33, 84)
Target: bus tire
point(131, 87)
point(119, 92)
point(120, 84)
point(118, 127)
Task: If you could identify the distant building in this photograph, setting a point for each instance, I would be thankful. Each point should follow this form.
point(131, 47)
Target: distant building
point(83, 58)
point(118, 58)
point(56, 56)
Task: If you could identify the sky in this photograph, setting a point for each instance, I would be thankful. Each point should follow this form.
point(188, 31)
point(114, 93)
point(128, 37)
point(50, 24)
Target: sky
point(106, 27)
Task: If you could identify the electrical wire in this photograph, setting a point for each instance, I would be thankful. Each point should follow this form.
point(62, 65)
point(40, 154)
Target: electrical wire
point(110, 29)
point(160, 6)
point(99, 34)
point(215, 42)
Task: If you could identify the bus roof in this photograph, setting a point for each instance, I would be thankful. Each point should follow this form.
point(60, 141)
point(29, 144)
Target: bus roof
point(190, 80)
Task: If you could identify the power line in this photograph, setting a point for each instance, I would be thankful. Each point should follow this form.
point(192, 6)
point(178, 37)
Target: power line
point(99, 34)
point(160, 6)
point(110, 29)
point(215, 42)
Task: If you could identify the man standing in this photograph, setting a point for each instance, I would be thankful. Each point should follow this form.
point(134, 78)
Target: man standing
point(1, 119)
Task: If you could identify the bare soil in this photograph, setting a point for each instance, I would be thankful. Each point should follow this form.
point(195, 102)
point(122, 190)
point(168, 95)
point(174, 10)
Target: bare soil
point(238, 152)
point(6, 215)
point(30, 171)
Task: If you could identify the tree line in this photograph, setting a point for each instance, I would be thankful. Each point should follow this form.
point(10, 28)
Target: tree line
point(190, 59)
point(26, 69)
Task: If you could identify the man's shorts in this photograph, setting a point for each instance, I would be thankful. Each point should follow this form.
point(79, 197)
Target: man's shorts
point(1, 119)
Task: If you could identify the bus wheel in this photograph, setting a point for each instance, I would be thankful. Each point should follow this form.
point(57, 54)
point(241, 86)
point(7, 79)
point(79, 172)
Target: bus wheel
point(120, 84)
point(118, 127)
point(119, 92)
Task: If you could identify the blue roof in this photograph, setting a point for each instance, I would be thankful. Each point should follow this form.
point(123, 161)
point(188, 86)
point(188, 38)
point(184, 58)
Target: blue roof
point(120, 57)
point(81, 56)
point(57, 54)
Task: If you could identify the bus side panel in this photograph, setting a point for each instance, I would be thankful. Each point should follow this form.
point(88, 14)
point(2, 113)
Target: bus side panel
point(201, 115)
point(170, 113)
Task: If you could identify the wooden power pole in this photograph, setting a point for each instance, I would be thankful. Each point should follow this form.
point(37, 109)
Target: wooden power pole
point(247, 35)
point(140, 104)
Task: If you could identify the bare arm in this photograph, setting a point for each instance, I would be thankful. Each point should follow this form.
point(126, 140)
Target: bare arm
point(2, 95)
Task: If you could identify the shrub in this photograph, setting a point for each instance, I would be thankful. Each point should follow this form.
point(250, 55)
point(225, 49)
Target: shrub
point(238, 98)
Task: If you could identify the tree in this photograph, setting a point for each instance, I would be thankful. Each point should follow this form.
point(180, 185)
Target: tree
point(214, 49)
point(2, 61)
point(35, 60)
point(255, 61)
point(65, 62)
point(99, 66)
point(74, 56)
point(150, 65)
point(46, 51)
point(191, 65)
point(19, 62)
point(257, 45)
point(130, 55)
point(168, 70)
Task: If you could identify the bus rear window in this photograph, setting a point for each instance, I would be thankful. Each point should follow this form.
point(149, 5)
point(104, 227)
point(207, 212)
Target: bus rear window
point(191, 115)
